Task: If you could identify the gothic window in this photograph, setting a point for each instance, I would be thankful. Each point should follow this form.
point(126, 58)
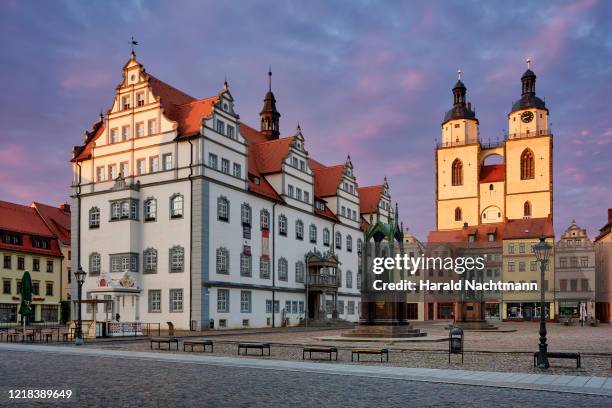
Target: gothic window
point(299, 272)
point(282, 225)
point(223, 207)
point(150, 260)
point(150, 209)
point(94, 264)
point(527, 165)
point(264, 219)
point(245, 214)
point(527, 209)
point(177, 259)
point(282, 269)
point(325, 237)
point(299, 229)
point(313, 233)
point(338, 240)
point(458, 214)
point(94, 217)
point(457, 177)
point(222, 261)
point(349, 243)
point(176, 206)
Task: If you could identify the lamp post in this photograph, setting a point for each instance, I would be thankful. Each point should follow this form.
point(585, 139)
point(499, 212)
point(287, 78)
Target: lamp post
point(79, 274)
point(542, 252)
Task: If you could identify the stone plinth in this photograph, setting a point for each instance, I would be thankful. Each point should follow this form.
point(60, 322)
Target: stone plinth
point(386, 331)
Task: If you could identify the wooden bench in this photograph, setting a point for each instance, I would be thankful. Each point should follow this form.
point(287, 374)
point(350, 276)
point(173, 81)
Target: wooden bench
point(319, 349)
point(575, 356)
point(47, 335)
point(376, 351)
point(247, 346)
point(12, 337)
point(166, 340)
point(202, 343)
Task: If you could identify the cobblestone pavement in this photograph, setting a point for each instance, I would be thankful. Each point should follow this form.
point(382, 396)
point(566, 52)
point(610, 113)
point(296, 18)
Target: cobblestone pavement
point(120, 382)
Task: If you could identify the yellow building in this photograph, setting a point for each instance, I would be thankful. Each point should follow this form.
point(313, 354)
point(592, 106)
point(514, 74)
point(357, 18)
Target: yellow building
point(26, 243)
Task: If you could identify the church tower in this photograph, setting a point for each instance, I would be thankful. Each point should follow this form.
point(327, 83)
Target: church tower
point(528, 155)
point(457, 164)
point(269, 116)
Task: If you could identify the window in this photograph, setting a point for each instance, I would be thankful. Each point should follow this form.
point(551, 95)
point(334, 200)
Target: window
point(152, 126)
point(220, 126)
point(290, 190)
point(349, 279)
point(94, 217)
point(230, 131)
point(527, 165)
point(584, 285)
point(149, 258)
point(351, 307)
point(20, 263)
point(140, 101)
point(326, 237)
point(299, 272)
point(264, 219)
point(511, 248)
point(225, 166)
point(176, 206)
point(140, 129)
point(94, 264)
point(458, 214)
point(283, 269)
point(150, 209)
point(268, 306)
point(282, 225)
point(212, 160)
point(245, 214)
point(527, 209)
point(287, 306)
point(521, 266)
point(457, 173)
point(359, 246)
point(294, 307)
point(245, 301)
point(222, 209)
point(154, 301)
point(36, 288)
point(140, 167)
point(113, 136)
point(36, 264)
point(298, 194)
point(532, 266)
point(349, 243)
point(299, 229)
point(573, 261)
point(124, 262)
point(223, 305)
point(167, 161)
point(264, 268)
point(522, 248)
point(222, 261)
point(7, 262)
point(49, 289)
point(245, 265)
point(124, 209)
point(124, 169)
point(6, 286)
point(341, 307)
point(176, 300)
point(584, 261)
point(358, 280)
point(125, 102)
point(154, 164)
point(510, 266)
point(339, 276)
point(312, 233)
point(125, 133)
point(563, 285)
point(112, 171)
point(338, 240)
point(177, 259)
point(237, 170)
point(301, 306)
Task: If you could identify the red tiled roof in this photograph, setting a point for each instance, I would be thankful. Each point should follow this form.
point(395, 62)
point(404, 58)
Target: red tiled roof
point(189, 116)
point(369, 197)
point(56, 220)
point(492, 173)
point(271, 153)
point(25, 220)
point(462, 234)
point(529, 228)
point(327, 179)
point(263, 188)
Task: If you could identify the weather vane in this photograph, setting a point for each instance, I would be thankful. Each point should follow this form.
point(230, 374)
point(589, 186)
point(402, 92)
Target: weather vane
point(528, 63)
point(133, 42)
point(459, 73)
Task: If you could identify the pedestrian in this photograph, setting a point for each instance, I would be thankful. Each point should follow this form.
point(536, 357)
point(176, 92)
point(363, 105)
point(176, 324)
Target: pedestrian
point(117, 317)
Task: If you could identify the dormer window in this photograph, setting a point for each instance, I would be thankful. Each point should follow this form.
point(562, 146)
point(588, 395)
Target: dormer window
point(140, 101)
point(302, 165)
point(220, 127)
point(230, 131)
point(125, 102)
point(294, 162)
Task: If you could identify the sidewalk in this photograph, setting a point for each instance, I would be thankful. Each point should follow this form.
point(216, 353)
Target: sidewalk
point(542, 382)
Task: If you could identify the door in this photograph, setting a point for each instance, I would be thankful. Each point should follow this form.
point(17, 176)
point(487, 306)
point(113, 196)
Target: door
point(430, 311)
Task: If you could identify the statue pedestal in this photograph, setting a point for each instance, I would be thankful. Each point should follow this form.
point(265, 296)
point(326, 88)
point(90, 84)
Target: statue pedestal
point(475, 325)
point(384, 331)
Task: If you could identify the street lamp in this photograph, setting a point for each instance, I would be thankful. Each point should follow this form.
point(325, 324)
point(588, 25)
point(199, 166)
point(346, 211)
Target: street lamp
point(79, 274)
point(542, 252)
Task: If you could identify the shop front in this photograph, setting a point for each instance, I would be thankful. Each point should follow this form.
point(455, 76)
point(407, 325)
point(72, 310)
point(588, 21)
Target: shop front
point(526, 311)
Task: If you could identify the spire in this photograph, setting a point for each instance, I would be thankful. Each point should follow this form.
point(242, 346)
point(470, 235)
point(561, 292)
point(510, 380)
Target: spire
point(528, 91)
point(461, 109)
point(459, 91)
point(269, 115)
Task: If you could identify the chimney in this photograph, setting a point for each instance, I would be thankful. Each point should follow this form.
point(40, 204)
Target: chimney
point(609, 215)
point(65, 207)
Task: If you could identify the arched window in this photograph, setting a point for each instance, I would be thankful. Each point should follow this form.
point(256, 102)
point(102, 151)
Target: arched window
point(313, 233)
point(457, 178)
point(490, 187)
point(150, 209)
point(245, 214)
point(299, 229)
point(458, 214)
point(338, 240)
point(359, 246)
point(527, 165)
point(282, 225)
point(283, 268)
point(149, 259)
point(299, 272)
point(349, 279)
point(358, 280)
point(326, 237)
point(222, 261)
point(527, 209)
point(223, 209)
point(176, 206)
point(94, 217)
point(94, 264)
point(264, 219)
point(349, 243)
point(177, 259)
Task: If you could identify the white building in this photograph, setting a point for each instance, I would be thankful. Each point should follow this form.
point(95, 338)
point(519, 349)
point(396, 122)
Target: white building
point(185, 214)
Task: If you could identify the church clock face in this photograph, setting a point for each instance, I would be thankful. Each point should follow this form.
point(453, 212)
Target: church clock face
point(527, 116)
